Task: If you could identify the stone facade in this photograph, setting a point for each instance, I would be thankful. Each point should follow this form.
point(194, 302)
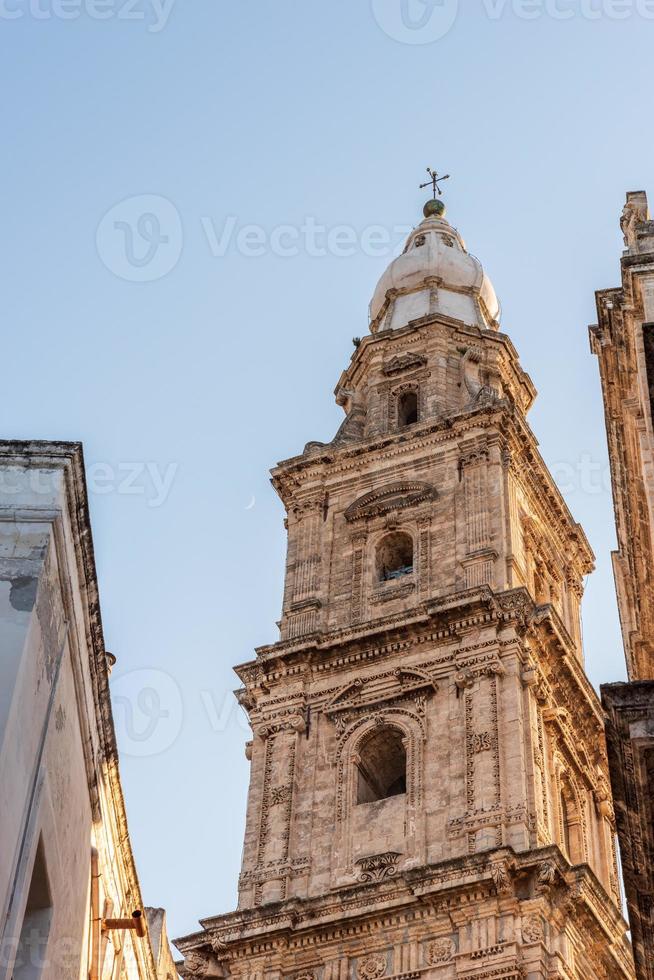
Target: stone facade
point(67, 868)
point(429, 791)
point(624, 343)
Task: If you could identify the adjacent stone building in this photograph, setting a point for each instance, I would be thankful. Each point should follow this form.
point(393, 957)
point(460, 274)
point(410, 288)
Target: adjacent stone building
point(624, 343)
point(70, 901)
point(429, 793)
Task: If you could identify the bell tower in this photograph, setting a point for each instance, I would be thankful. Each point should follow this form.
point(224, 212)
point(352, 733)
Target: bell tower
point(429, 793)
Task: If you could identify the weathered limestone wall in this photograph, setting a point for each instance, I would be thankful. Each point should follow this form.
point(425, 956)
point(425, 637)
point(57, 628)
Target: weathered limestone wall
point(622, 341)
point(60, 797)
point(478, 514)
point(624, 314)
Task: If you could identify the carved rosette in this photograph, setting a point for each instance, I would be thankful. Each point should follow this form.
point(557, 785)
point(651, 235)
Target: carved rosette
point(440, 951)
point(373, 967)
point(532, 929)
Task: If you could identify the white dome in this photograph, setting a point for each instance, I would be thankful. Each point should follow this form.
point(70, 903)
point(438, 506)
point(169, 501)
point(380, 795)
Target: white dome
point(434, 274)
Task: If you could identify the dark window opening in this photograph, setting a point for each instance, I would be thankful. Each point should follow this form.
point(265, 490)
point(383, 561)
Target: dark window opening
point(407, 409)
point(395, 557)
point(381, 770)
point(31, 954)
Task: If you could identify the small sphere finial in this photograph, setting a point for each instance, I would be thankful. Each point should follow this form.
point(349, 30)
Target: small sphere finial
point(434, 209)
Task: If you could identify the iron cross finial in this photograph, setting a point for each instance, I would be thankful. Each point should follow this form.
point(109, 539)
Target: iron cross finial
point(434, 180)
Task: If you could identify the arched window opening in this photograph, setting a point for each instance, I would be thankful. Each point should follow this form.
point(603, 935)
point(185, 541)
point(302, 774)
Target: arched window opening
point(407, 409)
point(381, 769)
point(395, 557)
point(571, 836)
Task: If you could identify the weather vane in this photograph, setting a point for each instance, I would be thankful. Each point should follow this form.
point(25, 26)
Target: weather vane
point(434, 180)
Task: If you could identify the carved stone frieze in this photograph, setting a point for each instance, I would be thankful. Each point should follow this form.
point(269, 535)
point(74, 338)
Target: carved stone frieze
point(378, 867)
point(404, 362)
point(394, 497)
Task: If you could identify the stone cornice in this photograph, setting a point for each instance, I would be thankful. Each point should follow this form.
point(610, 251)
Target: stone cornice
point(442, 629)
point(442, 888)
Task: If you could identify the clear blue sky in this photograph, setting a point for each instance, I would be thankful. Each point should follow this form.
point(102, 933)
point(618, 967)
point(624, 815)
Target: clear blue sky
point(269, 114)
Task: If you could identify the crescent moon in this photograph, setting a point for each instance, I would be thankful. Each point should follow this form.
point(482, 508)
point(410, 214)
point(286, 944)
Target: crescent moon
point(252, 503)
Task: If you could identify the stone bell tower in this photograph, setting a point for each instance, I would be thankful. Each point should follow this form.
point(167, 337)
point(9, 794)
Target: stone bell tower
point(429, 794)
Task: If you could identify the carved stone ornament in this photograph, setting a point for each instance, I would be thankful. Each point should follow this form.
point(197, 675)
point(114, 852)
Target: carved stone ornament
point(440, 951)
point(378, 867)
point(481, 742)
point(306, 975)
point(501, 879)
point(464, 680)
point(280, 794)
point(532, 929)
point(373, 967)
point(199, 965)
point(291, 721)
point(397, 496)
point(547, 875)
point(631, 217)
point(404, 362)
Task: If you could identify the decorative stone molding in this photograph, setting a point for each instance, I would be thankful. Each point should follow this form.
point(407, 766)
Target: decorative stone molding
point(464, 680)
point(512, 971)
point(280, 794)
point(378, 867)
point(502, 879)
point(487, 952)
point(404, 362)
point(367, 698)
point(532, 929)
point(392, 592)
point(199, 965)
point(396, 496)
point(373, 967)
point(290, 721)
point(547, 876)
point(481, 742)
point(440, 951)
